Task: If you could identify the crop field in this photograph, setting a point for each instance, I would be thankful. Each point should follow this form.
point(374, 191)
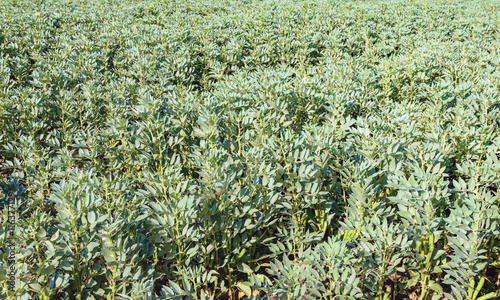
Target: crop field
point(251, 149)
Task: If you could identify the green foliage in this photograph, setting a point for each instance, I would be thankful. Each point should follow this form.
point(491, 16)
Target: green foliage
point(250, 149)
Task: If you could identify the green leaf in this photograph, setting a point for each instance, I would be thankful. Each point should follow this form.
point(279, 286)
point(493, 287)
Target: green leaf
point(244, 268)
point(244, 288)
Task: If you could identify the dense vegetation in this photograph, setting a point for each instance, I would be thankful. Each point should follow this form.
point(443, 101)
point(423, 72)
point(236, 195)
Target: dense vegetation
point(223, 149)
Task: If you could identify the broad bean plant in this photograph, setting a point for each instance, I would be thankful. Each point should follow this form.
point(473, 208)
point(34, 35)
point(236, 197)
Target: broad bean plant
point(253, 149)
